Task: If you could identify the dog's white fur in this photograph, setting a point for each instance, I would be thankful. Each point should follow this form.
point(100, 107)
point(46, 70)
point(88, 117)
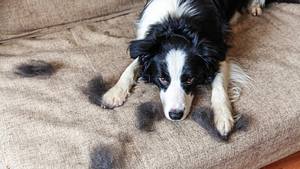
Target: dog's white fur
point(175, 98)
point(220, 101)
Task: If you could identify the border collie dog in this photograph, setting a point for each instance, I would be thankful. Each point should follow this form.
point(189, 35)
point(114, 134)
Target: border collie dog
point(181, 44)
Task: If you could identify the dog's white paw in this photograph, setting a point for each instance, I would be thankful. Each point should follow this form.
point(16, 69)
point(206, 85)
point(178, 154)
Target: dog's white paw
point(223, 123)
point(256, 9)
point(114, 97)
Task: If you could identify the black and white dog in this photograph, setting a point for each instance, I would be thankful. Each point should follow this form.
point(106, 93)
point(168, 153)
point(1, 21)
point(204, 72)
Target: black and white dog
point(181, 44)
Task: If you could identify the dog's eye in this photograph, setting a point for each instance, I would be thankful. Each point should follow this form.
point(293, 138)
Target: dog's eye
point(163, 81)
point(189, 81)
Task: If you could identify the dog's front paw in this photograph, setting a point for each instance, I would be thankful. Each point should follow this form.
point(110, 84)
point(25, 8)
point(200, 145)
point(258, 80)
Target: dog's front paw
point(223, 123)
point(256, 9)
point(114, 97)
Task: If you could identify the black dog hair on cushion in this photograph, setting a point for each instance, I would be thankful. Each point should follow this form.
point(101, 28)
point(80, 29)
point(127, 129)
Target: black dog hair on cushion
point(205, 118)
point(146, 114)
point(241, 122)
point(36, 68)
point(96, 89)
point(110, 156)
point(101, 158)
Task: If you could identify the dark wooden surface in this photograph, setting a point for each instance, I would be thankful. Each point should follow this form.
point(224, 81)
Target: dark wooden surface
point(291, 162)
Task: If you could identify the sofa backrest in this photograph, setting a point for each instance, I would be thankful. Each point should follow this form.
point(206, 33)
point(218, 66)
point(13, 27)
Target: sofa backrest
point(22, 16)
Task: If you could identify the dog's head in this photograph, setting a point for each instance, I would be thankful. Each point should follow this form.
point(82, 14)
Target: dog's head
point(176, 59)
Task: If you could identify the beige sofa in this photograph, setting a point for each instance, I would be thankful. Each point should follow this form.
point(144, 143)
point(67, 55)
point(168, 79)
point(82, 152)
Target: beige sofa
point(48, 123)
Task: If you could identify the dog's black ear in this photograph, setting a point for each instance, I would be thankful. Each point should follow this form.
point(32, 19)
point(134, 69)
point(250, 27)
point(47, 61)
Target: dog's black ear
point(145, 50)
point(210, 54)
point(141, 48)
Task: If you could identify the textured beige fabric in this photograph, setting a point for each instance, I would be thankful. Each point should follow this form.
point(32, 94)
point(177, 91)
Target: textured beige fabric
point(49, 123)
point(19, 18)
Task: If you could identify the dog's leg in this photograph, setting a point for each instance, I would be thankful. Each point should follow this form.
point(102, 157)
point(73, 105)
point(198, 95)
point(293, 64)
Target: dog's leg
point(220, 101)
point(117, 95)
point(256, 7)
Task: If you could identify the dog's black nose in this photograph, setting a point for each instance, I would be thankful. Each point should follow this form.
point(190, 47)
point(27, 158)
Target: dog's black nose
point(176, 114)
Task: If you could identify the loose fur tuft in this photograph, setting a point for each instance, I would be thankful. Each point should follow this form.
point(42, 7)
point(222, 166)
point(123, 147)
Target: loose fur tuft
point(238, 80)
point(36, 68)
point(205, 118)
point(101, 158)
point(147, 113)
point(96, 89)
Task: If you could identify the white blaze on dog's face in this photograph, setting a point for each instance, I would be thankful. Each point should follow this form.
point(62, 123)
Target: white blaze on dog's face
point(176, 102)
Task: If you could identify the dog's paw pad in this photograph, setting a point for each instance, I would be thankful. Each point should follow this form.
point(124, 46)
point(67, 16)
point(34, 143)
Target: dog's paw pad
point(223, 124)
point(114, 97)
point(256, 10)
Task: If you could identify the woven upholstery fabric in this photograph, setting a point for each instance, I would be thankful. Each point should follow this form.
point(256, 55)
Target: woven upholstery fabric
point(48, 123)
point(26, 16)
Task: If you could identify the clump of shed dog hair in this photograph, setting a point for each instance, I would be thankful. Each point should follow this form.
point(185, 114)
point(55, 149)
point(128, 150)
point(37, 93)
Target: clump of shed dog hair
point(146, 115)
point(112, 156)
point(101, 158)
point(96, 89)
point(205, 118)
point(37, 68)
point(241, 122)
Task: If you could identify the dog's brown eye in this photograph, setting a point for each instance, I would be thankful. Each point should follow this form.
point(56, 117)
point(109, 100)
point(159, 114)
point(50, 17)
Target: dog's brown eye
point(189, 81)
point(163, 81)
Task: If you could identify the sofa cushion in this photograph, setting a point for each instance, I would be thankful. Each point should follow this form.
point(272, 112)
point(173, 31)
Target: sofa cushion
point(19, 17)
